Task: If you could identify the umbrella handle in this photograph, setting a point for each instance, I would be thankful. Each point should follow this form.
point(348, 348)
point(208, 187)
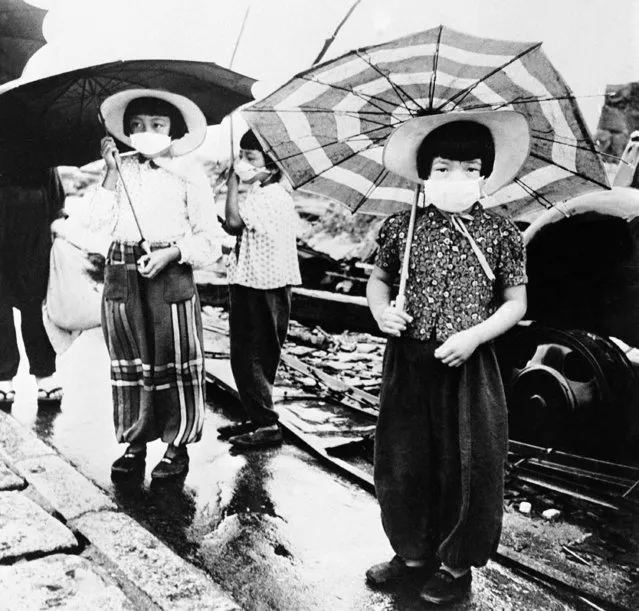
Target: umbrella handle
point(145, 246)
point(400, 300)
point(399, 303)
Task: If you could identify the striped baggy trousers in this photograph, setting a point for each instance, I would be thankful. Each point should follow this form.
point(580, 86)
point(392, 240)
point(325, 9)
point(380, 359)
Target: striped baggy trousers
point(153, 330)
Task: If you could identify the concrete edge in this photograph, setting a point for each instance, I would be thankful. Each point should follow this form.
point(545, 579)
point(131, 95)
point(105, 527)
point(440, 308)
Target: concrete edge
point(41, 466)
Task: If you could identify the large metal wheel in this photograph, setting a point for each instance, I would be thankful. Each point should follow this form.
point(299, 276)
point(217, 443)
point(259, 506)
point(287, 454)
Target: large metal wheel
point(569, 390)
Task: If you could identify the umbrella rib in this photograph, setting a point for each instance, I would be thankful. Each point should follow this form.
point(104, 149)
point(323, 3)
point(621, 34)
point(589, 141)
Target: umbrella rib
point(538, 196)
point(552, 98)
point(345, 113)
point(574, 173)
point(571, 143)
point(367, 98)
point(396, 88)
point(378, 180)
point(433, 76)
point(324, 146)
point(465, 92)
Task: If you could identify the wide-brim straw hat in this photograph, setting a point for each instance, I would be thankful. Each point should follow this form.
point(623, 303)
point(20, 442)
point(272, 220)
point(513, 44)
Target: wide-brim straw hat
point(114, 106)
point(509, 130)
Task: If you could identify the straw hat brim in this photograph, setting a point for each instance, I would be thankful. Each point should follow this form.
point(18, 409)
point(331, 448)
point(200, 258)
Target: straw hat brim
point(508, 128)
point(114, 106)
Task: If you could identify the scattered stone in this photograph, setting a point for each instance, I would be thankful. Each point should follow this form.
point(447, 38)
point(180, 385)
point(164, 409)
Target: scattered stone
point(308, 382)
point(25, 528)
point(525, 507)
point(300, 350)
point(63, 582)
point(337, 365)
point(367, 348)
point(551, 514)
point(347, 346)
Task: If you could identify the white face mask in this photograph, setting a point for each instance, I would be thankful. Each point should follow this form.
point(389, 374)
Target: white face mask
point(452, 195)
point(246, 171)
point(150, 143)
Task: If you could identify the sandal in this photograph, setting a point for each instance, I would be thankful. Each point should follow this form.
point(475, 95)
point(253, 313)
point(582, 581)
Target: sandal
point(50, 397)
point(7, 397)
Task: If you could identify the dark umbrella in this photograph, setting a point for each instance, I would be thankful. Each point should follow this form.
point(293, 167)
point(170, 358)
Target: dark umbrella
point(54, 121)
point(20, 36)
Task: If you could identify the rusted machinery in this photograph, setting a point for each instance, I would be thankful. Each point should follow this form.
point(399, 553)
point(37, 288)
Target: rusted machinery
point(572, 376)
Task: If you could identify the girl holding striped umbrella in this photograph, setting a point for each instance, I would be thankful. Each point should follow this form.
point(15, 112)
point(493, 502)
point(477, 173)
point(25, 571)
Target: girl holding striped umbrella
point(441, 439)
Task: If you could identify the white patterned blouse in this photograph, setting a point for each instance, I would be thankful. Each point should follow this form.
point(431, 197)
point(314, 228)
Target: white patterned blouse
point(267, 253)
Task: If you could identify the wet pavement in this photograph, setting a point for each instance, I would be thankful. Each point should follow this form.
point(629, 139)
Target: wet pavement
point(271, 527)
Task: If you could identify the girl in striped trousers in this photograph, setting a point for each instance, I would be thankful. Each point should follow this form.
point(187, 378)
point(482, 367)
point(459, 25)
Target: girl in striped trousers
point(151, 312)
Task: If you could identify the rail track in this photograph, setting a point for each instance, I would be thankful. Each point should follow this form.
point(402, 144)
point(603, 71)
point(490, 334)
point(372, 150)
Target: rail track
point(335, 422)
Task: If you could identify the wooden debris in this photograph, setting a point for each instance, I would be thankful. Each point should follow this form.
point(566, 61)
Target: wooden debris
point(551, 514)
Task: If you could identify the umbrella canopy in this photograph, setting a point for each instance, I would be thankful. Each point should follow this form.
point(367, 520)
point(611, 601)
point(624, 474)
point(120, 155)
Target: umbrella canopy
point(327, 126)
point(54, 120)
point(20, 36)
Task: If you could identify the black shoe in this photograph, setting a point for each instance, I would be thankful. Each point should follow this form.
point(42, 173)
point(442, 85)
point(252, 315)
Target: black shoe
point(130, 463)
point(239, 428)
point(394, 571)
point(259, 438)
point(443, 588)
point(171, 466)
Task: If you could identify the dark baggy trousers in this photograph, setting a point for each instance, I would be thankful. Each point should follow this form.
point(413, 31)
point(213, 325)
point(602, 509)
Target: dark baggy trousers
point(153, 330)
point(440, 449)
point(258, 326)
point(25, 244)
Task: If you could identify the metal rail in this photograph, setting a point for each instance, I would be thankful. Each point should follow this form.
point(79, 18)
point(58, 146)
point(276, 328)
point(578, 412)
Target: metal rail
point(519, 563)
point(599, 482)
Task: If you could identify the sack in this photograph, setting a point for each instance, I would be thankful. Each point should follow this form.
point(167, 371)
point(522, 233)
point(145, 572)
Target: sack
point(73, 300)
point(60, 339)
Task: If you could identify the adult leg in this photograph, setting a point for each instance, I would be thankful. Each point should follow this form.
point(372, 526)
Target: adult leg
point(28, 255)
point(9, 354)
point(36, 342)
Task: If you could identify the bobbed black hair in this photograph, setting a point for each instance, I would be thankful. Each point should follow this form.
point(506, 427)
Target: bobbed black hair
point(155, 107)
point(459, 141)
point(249, 142)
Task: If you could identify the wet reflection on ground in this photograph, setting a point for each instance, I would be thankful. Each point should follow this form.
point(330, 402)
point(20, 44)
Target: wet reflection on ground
point(271, 526)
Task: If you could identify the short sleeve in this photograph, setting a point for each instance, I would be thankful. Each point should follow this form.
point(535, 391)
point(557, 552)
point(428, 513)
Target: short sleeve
point(263, 208)
point(388, 238)
point(512, 256)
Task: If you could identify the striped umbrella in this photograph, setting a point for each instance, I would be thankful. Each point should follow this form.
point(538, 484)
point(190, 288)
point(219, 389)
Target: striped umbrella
point(327, 126)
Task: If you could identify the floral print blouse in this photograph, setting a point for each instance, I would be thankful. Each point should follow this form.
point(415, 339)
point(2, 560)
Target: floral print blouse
point(447, 290)
point(266, 255)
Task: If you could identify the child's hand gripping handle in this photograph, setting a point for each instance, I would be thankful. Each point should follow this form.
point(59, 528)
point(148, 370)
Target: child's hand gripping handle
point(116, 158)
point(399, 303)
